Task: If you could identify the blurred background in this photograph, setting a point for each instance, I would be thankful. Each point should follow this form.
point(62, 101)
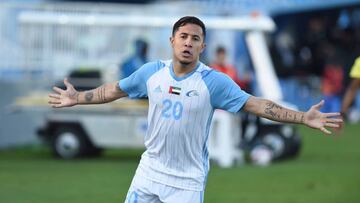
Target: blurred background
point(312, 46)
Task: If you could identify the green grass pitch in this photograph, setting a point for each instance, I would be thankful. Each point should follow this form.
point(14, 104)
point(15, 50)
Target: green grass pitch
point(327, 171)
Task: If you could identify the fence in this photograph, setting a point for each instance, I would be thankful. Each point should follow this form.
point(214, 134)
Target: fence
point(31, 49)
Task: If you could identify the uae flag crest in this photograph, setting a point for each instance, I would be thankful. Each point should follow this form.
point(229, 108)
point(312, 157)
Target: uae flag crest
point(174, 90)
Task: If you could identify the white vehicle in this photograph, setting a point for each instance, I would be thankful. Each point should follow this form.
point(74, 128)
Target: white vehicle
point(85, 130)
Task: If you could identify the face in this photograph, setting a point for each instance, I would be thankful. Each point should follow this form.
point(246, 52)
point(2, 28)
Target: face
point(187, 44)
point(220, 57)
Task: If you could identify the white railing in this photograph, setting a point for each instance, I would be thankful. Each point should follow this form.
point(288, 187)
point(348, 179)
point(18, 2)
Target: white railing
point(28, 47)
point(52, 39)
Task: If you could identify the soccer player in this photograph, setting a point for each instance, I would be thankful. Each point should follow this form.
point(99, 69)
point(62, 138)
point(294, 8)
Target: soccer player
point(352, 88)
point(183, 94)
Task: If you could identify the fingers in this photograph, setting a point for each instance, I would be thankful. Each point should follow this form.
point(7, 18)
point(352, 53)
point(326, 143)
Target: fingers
point(54, 101)
point(55, 96)
point(326, 131)
point(334, 120)
point(56, 105)
point(332, 114)
point(319, 105)
point(332, 125)
point(67, 83)
point(58, 90)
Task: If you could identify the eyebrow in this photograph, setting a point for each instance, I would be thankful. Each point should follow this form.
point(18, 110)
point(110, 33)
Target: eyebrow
point(184, 33)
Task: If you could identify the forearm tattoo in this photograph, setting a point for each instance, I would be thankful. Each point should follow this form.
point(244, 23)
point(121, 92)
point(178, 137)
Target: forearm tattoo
point(272, 110)
point(278, 113)
point(302, 118)
point(101, 93)
point(89, 96)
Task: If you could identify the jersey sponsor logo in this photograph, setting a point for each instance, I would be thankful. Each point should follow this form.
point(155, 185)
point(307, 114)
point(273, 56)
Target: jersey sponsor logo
point(192, 93)
point(157, 89)
point(174, 90)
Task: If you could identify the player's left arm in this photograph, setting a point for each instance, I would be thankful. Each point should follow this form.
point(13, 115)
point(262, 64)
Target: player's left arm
point(313, 118)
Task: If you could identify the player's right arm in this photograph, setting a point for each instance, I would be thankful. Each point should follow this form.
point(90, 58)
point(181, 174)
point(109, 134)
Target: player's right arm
point(70, 97)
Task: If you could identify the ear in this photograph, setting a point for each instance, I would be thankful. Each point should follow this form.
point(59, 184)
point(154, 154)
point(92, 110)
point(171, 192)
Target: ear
point(203, 47)
point(171, 41)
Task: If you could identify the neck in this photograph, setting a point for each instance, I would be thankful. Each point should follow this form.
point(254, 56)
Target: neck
point(221, 63)
point(181, 69)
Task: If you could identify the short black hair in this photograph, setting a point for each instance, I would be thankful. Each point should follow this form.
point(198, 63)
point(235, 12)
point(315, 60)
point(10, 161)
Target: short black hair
point(186, 20)
point(220, 49)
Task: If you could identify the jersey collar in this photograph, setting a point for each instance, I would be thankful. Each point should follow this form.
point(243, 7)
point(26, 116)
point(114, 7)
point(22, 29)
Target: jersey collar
point(185, 76)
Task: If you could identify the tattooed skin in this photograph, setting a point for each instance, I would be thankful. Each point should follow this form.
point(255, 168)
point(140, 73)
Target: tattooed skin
point(89, 96)
point(101, 93)
point(302, 118)
point(75, 95)
point(275, 112)
point(269, 109)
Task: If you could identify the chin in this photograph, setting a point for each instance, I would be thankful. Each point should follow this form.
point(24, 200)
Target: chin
point(185, 62)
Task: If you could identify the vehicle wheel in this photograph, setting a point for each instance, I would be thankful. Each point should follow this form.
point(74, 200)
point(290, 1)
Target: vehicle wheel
point(69, 142)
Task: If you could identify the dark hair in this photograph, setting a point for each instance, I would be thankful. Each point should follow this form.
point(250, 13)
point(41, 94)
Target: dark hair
point(220, 49)
point(186, 20)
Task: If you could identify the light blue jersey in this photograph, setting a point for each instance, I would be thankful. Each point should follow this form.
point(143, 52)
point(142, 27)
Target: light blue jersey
point(179, 118)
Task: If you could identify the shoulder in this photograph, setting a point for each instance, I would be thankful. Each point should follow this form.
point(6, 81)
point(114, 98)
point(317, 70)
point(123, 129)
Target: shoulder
point(151, 67)
point(210, 74)
point(156, 65)
point(217, 82)
point(355, 70)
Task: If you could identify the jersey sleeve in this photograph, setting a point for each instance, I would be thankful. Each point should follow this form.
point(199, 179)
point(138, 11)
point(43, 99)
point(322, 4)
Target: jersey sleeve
point(225, 93)
point(355, 70)
point(136, 84)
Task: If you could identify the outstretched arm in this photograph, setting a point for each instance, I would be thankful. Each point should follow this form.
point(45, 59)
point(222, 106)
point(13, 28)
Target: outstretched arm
point(70, 97)
point(350, 95)
point(312, 118)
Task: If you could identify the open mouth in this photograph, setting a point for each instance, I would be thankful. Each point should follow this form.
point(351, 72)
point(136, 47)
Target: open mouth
point(187, 53)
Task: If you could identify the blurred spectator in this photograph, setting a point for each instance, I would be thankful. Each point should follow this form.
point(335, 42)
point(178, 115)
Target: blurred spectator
point(312, 52)
point(352, 88)
point(332, 87)
point(136, 60)
point(221, 65)
point(283, 51)
point(332, 78)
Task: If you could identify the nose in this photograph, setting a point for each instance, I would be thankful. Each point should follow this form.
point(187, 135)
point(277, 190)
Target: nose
point(188, 42)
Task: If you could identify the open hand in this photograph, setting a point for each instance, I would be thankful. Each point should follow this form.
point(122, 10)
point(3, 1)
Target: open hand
point(64, 98)
point(318, 120)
